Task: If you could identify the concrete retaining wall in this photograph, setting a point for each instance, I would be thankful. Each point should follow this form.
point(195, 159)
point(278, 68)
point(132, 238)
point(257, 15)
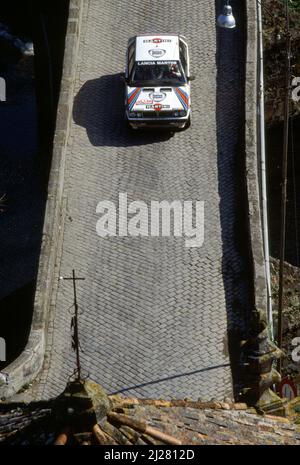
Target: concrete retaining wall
point(251, 144)
point(258, 353)
point(26, 367)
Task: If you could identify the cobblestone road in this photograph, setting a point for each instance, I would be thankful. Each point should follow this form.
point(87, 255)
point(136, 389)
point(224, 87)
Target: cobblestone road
point(155, 314)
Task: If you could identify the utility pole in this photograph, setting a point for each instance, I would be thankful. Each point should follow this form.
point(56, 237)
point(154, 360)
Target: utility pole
point(74, 326)
point(284, 181)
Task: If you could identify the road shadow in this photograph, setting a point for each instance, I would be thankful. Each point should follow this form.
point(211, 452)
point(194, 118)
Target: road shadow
point(168, 378)
point(237, 268)
point(16, 317)
point(99, 108)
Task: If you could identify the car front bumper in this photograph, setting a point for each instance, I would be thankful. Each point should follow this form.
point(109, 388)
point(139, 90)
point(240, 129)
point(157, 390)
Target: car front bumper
point(158, 122)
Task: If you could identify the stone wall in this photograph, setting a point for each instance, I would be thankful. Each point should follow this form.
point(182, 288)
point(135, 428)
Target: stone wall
point(258, 352)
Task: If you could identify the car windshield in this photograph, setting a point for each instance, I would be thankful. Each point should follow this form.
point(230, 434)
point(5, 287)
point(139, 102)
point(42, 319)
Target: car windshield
point(151, 73)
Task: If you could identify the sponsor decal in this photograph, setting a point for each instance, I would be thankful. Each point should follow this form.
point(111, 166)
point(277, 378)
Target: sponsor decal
point(144, 102)
point(155, 105)
point(156, 52)
point(156, 40)
point(165, 62)
point(157, 96)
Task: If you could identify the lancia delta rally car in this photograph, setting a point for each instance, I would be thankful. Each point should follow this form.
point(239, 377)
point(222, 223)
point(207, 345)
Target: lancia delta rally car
point(157, 77)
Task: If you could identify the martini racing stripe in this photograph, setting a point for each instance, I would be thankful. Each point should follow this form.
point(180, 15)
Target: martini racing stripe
point(132, 97)
point(183, 97)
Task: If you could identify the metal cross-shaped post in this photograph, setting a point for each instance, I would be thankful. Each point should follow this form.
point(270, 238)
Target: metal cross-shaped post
point(76, 344)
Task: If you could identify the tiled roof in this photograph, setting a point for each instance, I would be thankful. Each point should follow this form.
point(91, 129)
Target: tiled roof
point(133, 421)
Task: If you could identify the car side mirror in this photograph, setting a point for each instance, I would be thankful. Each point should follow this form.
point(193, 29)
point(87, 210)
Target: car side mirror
point(191, 78)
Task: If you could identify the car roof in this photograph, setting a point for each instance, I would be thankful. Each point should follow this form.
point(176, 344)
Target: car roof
point(157, 47)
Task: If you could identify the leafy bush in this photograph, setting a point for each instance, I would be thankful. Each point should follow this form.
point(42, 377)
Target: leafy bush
point(294, 5)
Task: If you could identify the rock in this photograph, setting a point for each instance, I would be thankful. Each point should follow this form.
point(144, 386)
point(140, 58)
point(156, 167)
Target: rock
point(100, 400)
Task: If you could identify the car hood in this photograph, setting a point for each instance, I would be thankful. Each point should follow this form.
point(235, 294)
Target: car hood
point(158, 98)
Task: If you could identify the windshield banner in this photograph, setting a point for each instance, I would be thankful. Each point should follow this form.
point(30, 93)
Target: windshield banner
point(168, 62)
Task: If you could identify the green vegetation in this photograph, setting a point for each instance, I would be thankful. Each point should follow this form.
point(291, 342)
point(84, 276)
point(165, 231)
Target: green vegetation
point(294, 5)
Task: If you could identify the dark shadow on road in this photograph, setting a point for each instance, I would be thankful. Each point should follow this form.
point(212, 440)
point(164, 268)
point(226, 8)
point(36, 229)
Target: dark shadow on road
point(99, 108)
point(230, 117)
point(168, 378)
point(16, 315)
point(22, 205)
point(27, 126)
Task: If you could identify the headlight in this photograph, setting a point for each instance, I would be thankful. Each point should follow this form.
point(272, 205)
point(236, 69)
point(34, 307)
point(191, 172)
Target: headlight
point(135, 114)
point(179, 113)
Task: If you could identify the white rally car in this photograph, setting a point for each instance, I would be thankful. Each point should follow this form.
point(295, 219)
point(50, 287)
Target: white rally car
point(157, 77)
